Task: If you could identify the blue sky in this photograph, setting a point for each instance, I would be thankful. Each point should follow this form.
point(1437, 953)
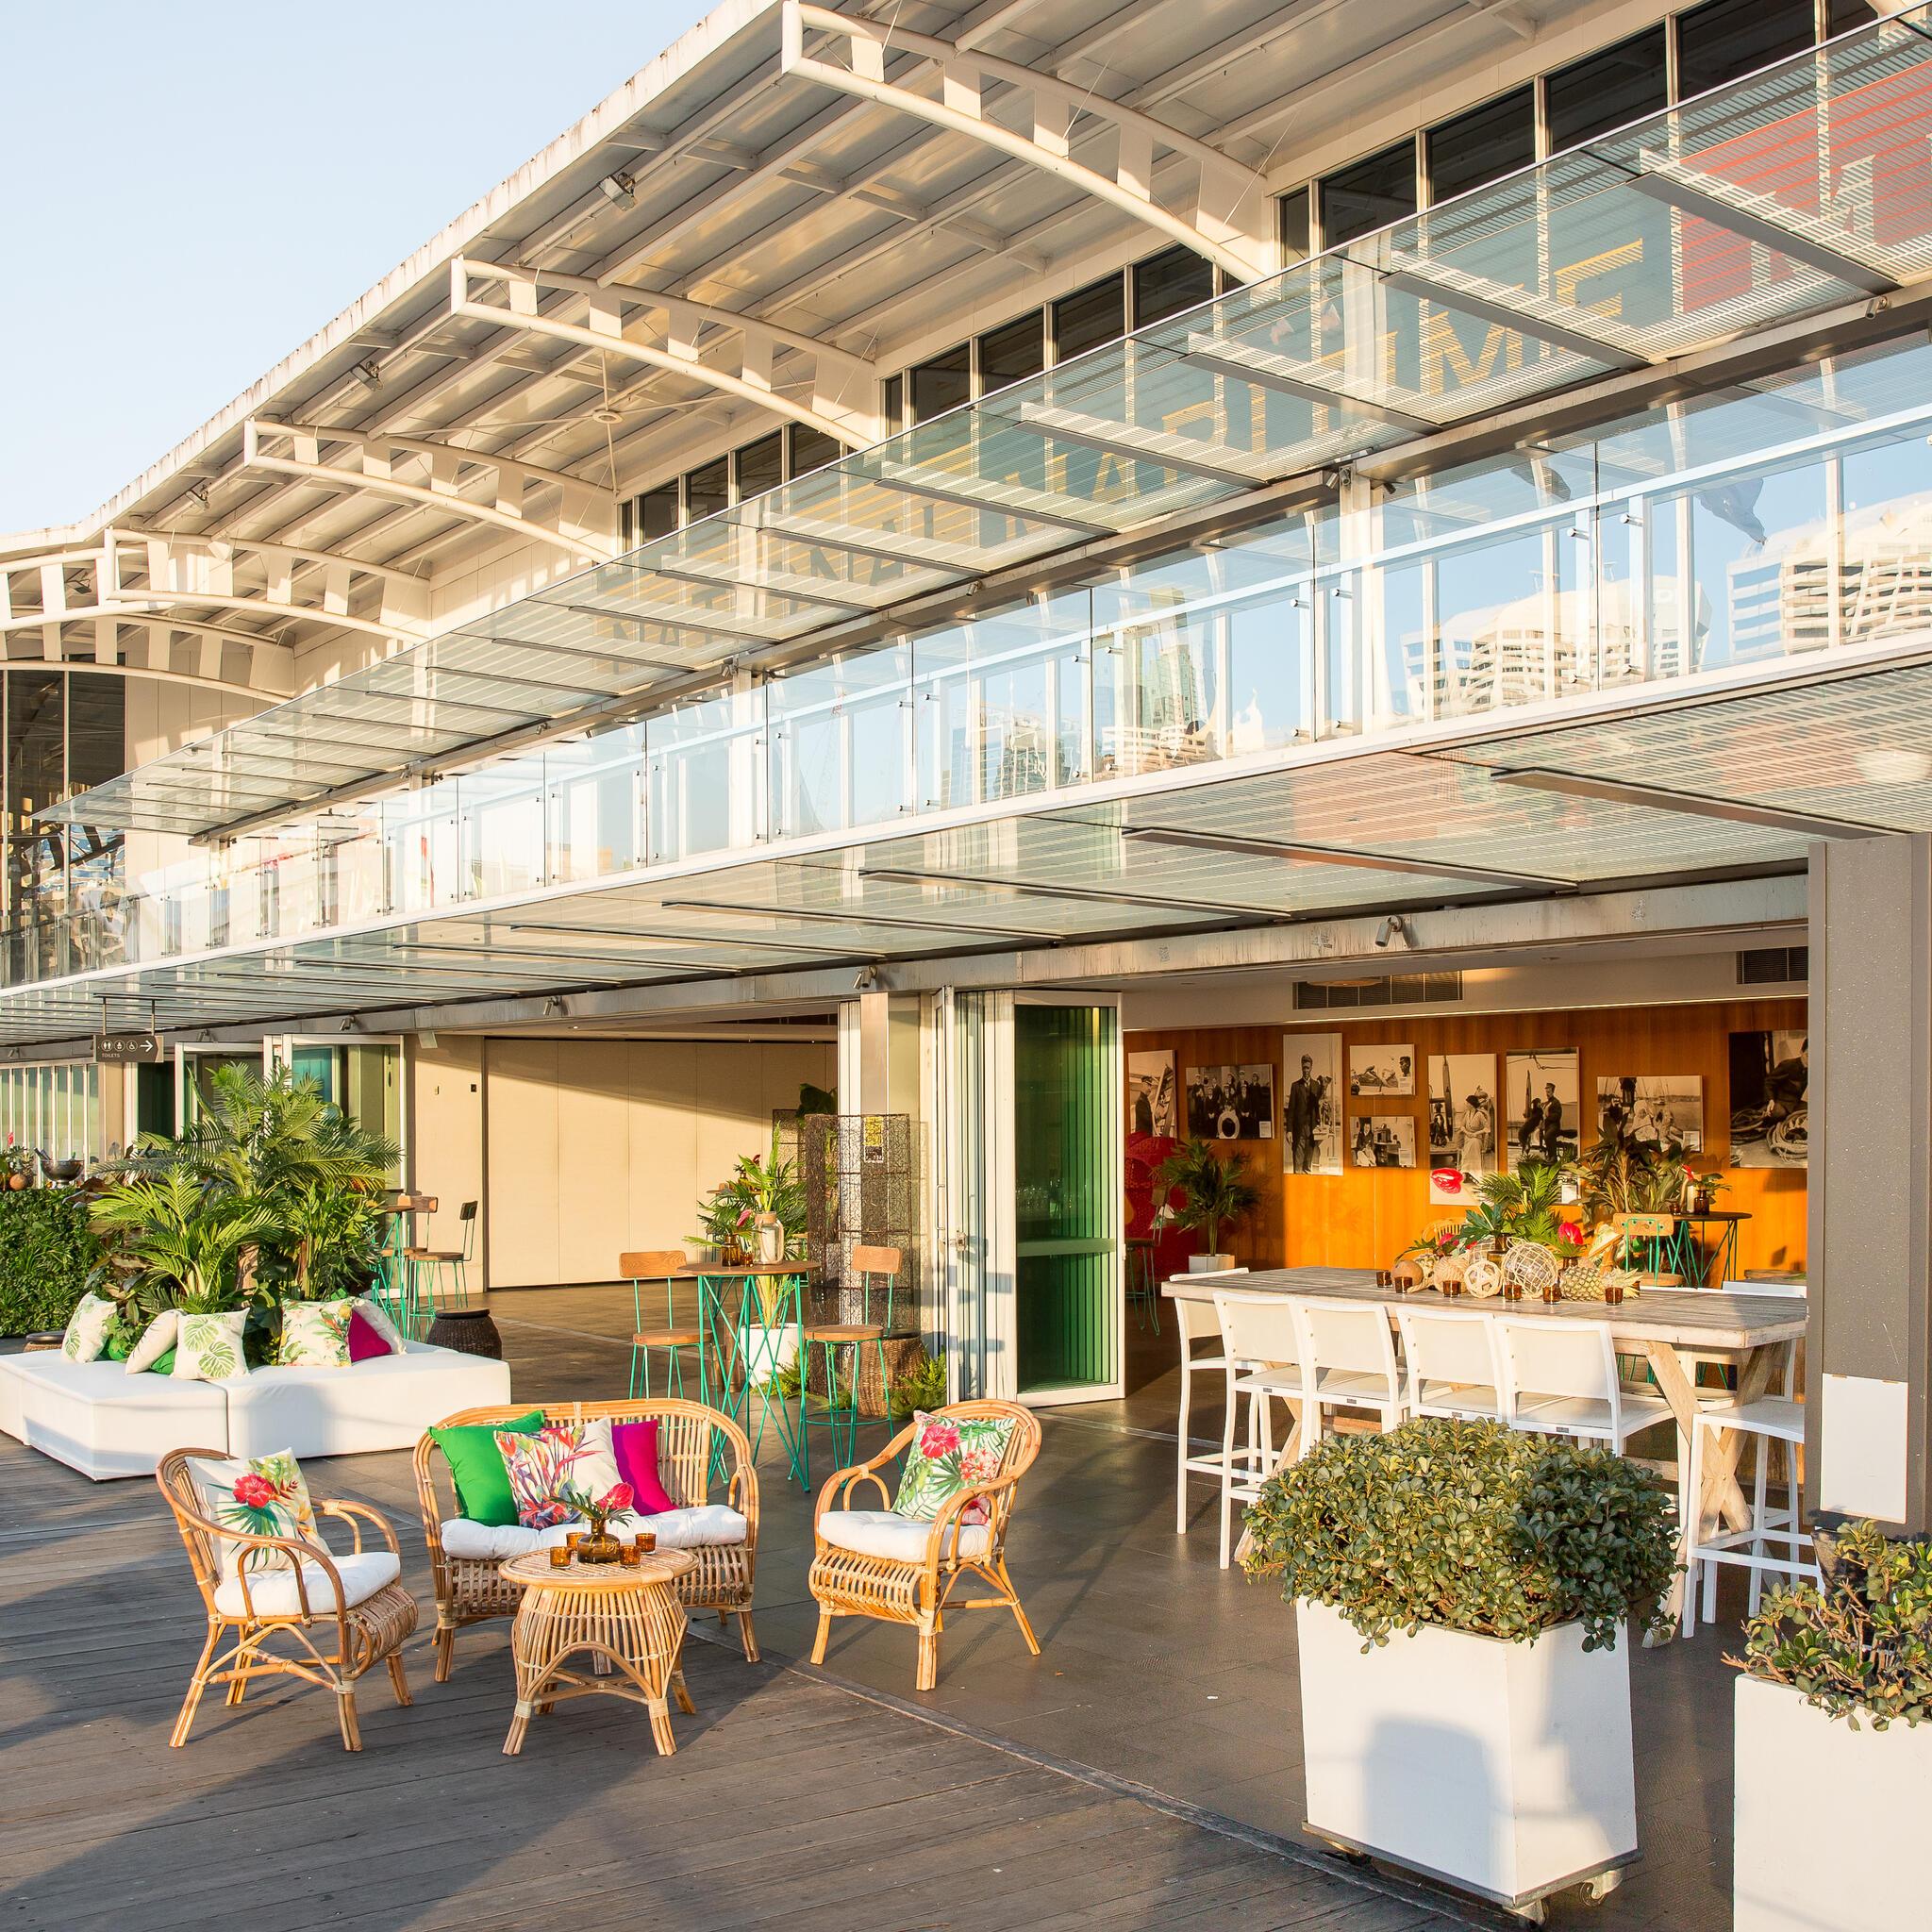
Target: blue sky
point(187, 191)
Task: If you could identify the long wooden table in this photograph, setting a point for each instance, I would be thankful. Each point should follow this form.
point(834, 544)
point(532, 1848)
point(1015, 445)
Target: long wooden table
point(1672, 1329)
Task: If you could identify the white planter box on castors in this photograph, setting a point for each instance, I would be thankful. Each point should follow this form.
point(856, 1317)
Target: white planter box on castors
point(1827, 1818)
point(1504, 1768)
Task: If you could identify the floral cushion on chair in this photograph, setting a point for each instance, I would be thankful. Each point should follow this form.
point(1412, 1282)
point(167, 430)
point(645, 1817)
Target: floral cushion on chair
point(559, 1460)
point(261, 1495)
point(208, 1348)
point(949, 1454)
point(88, 1328)
point(315, 1335)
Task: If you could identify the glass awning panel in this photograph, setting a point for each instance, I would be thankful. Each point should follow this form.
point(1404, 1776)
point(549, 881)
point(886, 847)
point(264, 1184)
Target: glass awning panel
point(1772, 199)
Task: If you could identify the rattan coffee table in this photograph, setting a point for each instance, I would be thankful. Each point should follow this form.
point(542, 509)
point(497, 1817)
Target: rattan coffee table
point(628, 1620)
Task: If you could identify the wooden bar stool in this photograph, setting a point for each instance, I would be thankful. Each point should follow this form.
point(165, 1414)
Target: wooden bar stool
point(842, 1410)
point(655, 1265)
point(451, 1262)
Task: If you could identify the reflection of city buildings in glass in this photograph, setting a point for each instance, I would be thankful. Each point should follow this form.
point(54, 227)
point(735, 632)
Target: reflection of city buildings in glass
point(1550, 643)
point(1166, 719)
point(1781, 595)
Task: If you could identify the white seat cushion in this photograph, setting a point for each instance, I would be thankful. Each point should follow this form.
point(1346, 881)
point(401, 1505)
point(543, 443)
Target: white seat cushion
point(1465, 1398)
point(385, 1403)
point(712, 1526)
point(1345, 1386)
point(899, 1539)
point(272, 1592)
point(1286, 1380)
point(1587, 1412)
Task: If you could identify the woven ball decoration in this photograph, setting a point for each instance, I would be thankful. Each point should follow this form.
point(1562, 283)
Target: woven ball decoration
point(1481, 1277)
point(1452, 1271)
point(1530, 1268)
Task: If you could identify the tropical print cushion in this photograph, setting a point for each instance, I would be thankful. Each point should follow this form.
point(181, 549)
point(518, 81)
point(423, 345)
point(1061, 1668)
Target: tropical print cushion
point(261, 1495)
point(88, 1328)
point(157, 1340)
point(559, 1460)
point(949, 1454)
point(208, 1348)
point(315, 1335)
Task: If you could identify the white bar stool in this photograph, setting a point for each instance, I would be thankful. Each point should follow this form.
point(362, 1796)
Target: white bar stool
point(1450, 1355)
point(1196, 1322)
point(1258, 1337)
point(1348, 1361)
point(1770, 1419)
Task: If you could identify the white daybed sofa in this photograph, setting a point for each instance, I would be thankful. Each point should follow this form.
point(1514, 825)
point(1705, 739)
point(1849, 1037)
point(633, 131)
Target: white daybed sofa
point(98, 1418)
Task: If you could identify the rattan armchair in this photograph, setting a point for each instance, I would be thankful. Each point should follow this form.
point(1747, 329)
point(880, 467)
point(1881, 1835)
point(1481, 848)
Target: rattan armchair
point(335, 1640)
point(691, 1441)
point(848, 1583)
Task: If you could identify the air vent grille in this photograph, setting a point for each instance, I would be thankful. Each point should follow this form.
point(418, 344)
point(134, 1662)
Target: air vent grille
point(1394, 989)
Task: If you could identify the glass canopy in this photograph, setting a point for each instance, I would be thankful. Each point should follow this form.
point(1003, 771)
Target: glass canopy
point(1763, 201)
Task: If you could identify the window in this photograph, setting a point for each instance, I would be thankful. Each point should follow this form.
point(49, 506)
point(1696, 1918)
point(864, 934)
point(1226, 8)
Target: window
point(654, 514)
point(1842, 16)
point(812, 449)
point(1166, 283)
point(761, 465)
point(1088, 317)
point(1013, 353)
point(1370, 194)
point(1724, 38)
point(1493, 140)
point(1296, 235)
point(894, 406)
point(943, 384)
point(707, 489)
point(1607, 90)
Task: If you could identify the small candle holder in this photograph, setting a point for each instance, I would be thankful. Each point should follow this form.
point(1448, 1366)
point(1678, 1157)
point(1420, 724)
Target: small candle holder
point(560, 1557)
point(630, 1555)
point(646, 1542)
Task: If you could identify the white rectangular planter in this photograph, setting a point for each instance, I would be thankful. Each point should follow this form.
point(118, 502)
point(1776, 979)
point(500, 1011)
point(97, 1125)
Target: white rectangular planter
point(1829, 1820)
point(1502, 1766)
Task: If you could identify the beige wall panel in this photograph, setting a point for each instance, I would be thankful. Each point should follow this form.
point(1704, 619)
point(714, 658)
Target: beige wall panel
point(594, 1161)
point(523, 1177)
point(445, 1142)
point(664, 1141)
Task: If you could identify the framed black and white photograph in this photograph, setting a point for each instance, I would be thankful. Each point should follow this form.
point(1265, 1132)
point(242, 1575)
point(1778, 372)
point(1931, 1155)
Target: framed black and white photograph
point(1312, 1102)
point(1659, 1113)
point(1542, 1111)
point(1771, 1076)
point(1463, 1126)
point(1378, 1072)
point(1381, 1139)
point(1231, 1103)
point(1153, 1102)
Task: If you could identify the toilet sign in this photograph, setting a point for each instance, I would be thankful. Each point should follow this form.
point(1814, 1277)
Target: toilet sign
point(127, 1049)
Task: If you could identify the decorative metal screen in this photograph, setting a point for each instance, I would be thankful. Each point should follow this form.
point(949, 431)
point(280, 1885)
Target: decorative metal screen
point(860, 1172)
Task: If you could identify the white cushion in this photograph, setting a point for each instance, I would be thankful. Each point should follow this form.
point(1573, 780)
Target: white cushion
point(710, 1525)
point(97, 1418)
point(156, 1339)
point(385, 1403)
point(208, 1348)
point(272, 1592)
point(88, 1328)
point(899, 1539)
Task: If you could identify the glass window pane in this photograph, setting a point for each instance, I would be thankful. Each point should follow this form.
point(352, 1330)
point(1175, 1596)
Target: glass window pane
point(1295, 225)
point(1013, 353)
point(894, 409)
point(1842, 16)
point(655, 514)
point(812, 449)
point(1718, 41)
point(1176, 279)
point(1495, 138)
point(1370, 194)
point(943, 384)
point(707, 489)
point(761, 465)
point(1607, 90)
point(1088, 317)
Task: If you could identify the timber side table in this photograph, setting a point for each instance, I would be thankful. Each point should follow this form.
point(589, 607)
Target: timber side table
point(628, 1621)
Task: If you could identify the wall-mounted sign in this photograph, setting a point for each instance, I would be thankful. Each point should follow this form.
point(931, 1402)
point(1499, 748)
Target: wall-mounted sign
point(127, 1049)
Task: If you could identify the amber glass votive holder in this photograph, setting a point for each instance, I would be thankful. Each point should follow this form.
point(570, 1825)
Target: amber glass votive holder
point(560, 1555)
point(571, 1538)
point(646, 1542)
point(630, 1555)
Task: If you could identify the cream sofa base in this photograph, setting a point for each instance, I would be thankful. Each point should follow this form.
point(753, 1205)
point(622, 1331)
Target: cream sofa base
point(98, 1418)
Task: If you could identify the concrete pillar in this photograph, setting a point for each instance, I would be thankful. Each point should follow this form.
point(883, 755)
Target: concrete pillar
point(1869, 1348)
point(887, 1057)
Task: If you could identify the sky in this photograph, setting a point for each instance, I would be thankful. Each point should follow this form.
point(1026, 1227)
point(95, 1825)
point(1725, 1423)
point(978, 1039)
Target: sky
point(189, 191)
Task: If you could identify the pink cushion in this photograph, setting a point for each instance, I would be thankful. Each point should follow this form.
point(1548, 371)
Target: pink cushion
point(365, 1342)
point(636, 1444)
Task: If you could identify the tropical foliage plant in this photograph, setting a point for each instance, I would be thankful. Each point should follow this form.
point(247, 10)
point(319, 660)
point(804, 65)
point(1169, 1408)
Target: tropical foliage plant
point(921, 1386)
point(1859, 1644)
point(728, 1215)
point(1214, 1188)
point(48, 1251)
point(1467, 1526)
point(187, 1247)
point(1521, 1205)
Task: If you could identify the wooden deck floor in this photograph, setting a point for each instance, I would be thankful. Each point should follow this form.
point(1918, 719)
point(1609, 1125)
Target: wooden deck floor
point(791, 1802)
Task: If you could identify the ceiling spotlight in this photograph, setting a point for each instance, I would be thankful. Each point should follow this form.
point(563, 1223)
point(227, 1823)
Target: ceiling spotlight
point(867, 979)
point(603, 413)
point(350, 1025)
point(1391, 929)
point(554, 1003)
point(197, 493)
point(620, 191)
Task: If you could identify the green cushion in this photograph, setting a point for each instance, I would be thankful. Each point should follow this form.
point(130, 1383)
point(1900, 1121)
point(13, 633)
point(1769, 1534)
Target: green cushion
point(476, 1463)
point(162, 1364)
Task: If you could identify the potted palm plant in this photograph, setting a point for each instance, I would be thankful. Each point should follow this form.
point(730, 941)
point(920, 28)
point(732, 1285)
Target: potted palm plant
point(1460, 1589)
point(1215, 1194)
point(1856, 1647)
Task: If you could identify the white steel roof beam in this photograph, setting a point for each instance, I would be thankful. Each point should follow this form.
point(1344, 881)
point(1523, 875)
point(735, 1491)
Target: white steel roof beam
point(1233, 219)
point(843, 402)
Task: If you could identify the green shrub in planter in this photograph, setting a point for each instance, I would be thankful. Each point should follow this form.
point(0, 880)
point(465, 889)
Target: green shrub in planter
point(1860, 1646)
point(47, 1251)
point(1469, 1525)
